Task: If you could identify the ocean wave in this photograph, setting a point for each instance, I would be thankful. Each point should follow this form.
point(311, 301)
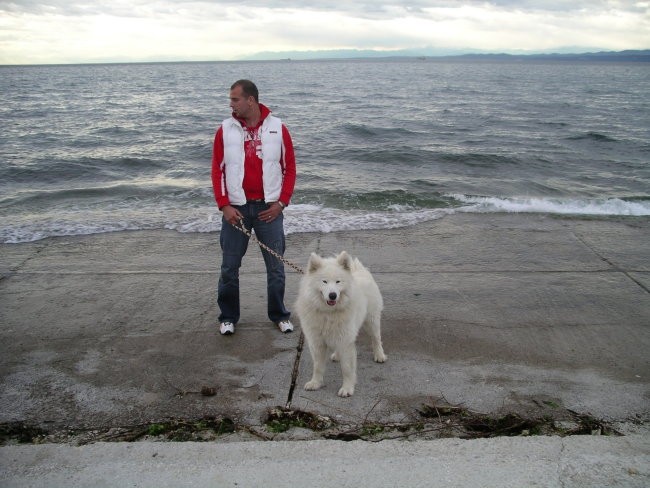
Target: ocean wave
point(479, 160)
point(395, 155)
point(118, 216)
point(371, 201)
point(363, 130)
point(28, 233)
point(299, 218)
point(606, 206)
point(592, 136)
point(303, 218)
point(322, 219)
point(203, 217)
point(92, 168)
point(152, 191)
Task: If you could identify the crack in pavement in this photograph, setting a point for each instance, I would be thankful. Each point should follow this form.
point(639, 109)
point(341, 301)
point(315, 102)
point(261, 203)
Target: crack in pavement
point(611, 263)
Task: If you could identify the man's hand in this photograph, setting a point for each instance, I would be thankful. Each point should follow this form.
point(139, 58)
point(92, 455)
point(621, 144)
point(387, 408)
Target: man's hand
point(231, 214)
point(271, 213)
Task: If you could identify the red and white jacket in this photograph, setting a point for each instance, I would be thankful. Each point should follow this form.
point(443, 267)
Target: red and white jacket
point(251, 163)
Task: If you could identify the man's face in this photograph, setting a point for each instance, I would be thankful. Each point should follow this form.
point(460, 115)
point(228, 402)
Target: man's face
point(239, 103)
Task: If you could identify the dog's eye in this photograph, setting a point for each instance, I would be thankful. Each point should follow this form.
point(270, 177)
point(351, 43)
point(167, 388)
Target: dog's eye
point(325, 281)
point(338, 281)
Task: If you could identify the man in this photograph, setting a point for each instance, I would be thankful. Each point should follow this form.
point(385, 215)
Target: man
point(253, 175)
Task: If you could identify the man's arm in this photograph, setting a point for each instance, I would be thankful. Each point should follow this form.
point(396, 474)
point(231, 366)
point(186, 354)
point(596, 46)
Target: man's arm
point(218, 174)
point(230, 213)
point(288, 167)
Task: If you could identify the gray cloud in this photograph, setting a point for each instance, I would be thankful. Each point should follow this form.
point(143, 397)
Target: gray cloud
point(364, 9)
point(69, 30)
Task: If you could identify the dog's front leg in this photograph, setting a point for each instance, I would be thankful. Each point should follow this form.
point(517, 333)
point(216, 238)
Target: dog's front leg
point(348, 356)
point(373, 328)
point(319, 358)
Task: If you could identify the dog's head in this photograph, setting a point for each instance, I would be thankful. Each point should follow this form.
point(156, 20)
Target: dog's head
point(331, 276)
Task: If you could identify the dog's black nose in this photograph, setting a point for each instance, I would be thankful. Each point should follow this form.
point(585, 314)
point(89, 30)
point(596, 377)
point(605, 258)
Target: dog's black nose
point(332, 296)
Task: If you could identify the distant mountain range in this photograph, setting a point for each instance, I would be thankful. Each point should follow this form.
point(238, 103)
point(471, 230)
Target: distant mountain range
point(426, 53)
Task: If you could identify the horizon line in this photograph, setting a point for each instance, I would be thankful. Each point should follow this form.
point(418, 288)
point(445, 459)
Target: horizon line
point(370, 55)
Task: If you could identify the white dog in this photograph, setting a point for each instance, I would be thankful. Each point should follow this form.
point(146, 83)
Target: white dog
point(337, 297)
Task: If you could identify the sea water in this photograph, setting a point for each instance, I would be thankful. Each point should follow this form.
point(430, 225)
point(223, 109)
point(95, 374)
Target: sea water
point(379, 143)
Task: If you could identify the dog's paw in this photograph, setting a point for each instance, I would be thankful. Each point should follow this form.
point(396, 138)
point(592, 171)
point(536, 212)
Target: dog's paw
point(313, 385)
point(380, 357)
point(345, 392)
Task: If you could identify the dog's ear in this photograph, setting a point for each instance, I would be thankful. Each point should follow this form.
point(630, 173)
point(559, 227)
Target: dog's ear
point(344, 260)
point(315, 262)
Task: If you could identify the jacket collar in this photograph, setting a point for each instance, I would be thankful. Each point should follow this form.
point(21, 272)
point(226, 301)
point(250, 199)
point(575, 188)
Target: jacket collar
point(264, 113)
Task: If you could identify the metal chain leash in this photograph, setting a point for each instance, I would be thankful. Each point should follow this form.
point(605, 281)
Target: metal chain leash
point(265, 247)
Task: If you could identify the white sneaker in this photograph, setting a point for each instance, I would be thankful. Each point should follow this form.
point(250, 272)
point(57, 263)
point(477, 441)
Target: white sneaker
point(285, 326)
point(227, 328)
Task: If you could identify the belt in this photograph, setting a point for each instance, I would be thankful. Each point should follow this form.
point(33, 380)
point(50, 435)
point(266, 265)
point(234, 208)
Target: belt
point(259, 200)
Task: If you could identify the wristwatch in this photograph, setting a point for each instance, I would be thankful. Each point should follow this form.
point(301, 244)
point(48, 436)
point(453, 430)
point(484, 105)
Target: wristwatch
point(281, 204)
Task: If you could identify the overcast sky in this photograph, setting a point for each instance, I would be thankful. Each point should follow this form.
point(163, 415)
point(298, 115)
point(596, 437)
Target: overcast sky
point(70, 31)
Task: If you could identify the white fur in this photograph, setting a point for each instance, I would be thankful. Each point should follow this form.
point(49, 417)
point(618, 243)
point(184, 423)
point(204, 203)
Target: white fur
point(337, 297)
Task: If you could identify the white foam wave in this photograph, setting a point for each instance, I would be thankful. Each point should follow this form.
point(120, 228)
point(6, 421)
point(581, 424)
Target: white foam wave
point(299, 218)
point(302, 218)
point(608, 206)
point(311, 218)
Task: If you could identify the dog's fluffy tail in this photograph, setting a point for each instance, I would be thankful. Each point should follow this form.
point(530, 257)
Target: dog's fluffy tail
point(357, 266)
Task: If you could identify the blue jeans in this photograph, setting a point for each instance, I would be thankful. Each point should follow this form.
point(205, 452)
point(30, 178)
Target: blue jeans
point(234, 244)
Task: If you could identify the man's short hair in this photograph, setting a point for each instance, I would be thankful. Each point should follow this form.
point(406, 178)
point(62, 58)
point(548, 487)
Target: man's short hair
point(248, 88)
